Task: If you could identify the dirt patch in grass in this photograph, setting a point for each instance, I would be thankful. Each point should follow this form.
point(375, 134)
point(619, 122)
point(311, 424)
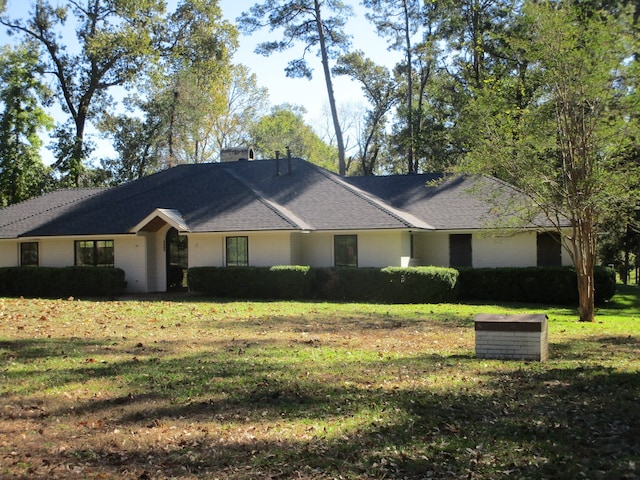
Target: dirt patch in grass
point(195, 389)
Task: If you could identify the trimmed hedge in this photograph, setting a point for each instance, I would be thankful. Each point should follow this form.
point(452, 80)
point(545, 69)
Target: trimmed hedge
point(279, 282)
point(61, 282)
point(551, 285)
point(421, 284)
point(386, 285)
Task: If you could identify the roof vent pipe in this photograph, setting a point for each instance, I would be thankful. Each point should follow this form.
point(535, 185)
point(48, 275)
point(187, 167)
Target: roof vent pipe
point(289, 159)
point(277, 163)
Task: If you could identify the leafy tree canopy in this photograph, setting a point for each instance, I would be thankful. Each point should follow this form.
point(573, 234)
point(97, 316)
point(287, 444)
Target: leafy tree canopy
point(22, 173)
point(284, 131)
point(560, 129)
point(114, 43)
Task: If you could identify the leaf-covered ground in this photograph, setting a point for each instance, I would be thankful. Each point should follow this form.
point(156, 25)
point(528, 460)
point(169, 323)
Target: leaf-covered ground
point(157, 388)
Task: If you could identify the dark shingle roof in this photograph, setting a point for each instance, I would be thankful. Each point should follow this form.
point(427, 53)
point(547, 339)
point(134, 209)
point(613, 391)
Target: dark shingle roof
point(460, 202)
point(263, 195)
point(32, 214)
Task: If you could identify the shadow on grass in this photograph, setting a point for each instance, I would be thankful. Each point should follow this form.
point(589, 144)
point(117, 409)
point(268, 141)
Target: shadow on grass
point(626, 297)
point(561, 424)
point(623, 347)
point(34, 349)
point(504, 420)
point(558, 423)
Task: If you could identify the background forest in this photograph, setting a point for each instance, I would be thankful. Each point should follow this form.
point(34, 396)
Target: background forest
point(541, 94)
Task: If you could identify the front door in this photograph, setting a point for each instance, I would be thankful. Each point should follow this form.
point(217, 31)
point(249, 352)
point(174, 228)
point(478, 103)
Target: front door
point(177, 260)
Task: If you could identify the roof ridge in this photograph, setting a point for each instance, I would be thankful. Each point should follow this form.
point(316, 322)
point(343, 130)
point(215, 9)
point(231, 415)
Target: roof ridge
point(281, 211)
point(400, 215)
point(95, 191)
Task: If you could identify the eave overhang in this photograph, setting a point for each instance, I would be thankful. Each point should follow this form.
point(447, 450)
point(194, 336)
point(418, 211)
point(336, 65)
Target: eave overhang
point(159, 218)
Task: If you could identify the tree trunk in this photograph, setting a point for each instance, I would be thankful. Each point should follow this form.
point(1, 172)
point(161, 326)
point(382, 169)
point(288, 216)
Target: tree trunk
point(76, 162)
point(584, 259)
point(332, 99)
point(412, 167)
point(586, 295)
point(172, 128)
point(477, 43)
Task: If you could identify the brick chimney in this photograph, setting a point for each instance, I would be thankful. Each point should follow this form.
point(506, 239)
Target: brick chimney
point(235, 154)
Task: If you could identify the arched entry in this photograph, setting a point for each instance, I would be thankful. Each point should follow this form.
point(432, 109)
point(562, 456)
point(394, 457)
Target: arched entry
point(177, 247)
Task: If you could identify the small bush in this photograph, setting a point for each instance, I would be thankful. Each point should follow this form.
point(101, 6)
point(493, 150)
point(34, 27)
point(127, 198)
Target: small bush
point(61, 282)
point(421, 284)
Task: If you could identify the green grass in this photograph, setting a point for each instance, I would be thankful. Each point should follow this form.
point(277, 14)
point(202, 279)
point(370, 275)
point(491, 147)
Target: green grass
point(192, 388)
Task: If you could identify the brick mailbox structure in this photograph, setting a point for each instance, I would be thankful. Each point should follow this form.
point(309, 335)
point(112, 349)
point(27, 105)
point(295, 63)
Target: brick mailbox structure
point(512, 337)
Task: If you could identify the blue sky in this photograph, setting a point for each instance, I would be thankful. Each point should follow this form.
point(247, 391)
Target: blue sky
point(311, 94)
point(270, 70)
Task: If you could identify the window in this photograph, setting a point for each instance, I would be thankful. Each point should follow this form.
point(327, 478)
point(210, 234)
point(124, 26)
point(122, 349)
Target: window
point(94, 253)
point(460, 253)
point(237, 251)
point(345, 250)
point(549, 251)
point(29, 254)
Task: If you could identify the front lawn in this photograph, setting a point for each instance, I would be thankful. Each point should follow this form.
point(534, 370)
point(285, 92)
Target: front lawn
point(188, 388)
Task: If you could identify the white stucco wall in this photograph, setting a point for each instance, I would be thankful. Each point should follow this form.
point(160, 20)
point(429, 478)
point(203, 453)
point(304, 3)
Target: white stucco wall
point(151, 265)
point(265, 249)
point(375, 249)
point(518, 250)
point(296, 248)
point(566, 258)
point(506, 251)
point(206, 250)
point(52, 252)
point(382, 248)
point(56, 252)
point(317, 249)
point(431, 248)
point(268, 249)
point(130, 255)
point(157, 260)
point(8, 253)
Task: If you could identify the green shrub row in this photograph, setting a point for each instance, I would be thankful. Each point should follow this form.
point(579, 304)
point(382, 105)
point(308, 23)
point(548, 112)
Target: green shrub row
point(61, 282)
point(279, 282)
point(386, 285)
point(550, 285)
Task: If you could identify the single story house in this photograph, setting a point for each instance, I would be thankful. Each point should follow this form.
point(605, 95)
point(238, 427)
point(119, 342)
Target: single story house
point(269, 212)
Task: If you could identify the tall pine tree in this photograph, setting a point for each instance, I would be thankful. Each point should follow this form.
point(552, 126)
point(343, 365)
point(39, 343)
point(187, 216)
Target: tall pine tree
point(22, 119)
